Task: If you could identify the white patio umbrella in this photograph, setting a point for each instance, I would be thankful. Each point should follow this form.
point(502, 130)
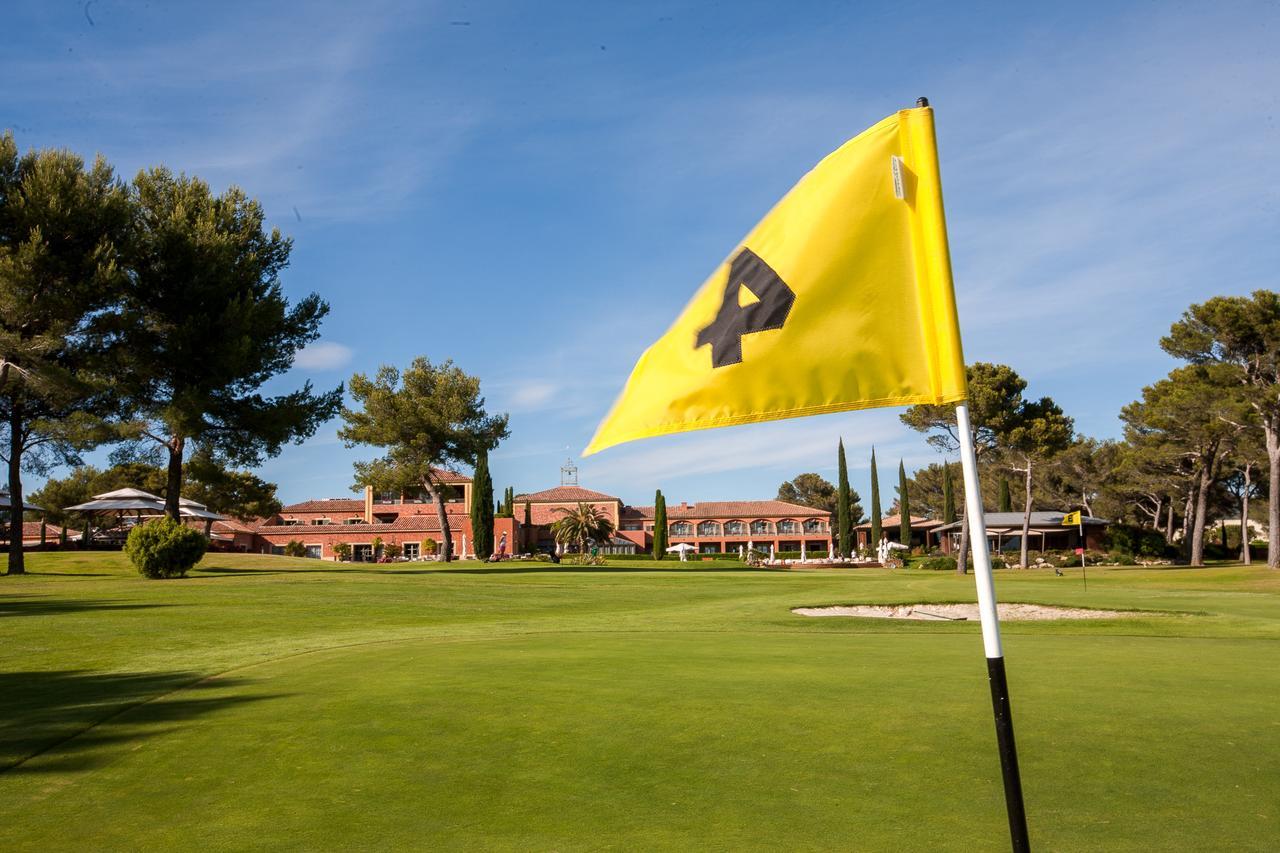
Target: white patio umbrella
point(831, 550)
point(802, 551)
point(683, 548)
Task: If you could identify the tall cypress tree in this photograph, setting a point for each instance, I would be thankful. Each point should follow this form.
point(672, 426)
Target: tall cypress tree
point(904, 506)
point(1006, 504)
point(659, 526)
point(948, 496)
point(875, 503)
point(482, 508)
point(844, 520)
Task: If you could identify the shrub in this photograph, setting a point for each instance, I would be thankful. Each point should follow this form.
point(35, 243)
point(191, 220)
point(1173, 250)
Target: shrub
point(164, 548)
point(429, 546)
point(294, 548)
point(935, 564)
point(392, 551)
point(1123, 559)
point(342, 551)
point(583, 560)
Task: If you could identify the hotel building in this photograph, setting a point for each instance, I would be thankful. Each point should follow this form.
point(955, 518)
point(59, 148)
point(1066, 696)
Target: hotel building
point(410, 519)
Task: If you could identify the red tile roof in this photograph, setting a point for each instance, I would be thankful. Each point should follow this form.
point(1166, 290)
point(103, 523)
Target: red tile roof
point(564, 494)
point(231, 525)
point(729, 509)
point(404, 524)
point(327, 505)
point(341, 506)
point(31, 531)
point(917, 521)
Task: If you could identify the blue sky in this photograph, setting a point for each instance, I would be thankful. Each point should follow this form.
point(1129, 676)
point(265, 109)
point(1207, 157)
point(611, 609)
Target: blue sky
point(535, 189)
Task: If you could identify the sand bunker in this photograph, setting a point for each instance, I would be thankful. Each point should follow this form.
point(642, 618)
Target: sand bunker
point(962, 612)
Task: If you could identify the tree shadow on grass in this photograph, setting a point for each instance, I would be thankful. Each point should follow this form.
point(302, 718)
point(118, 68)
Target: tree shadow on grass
point(40, 605)
point(75, 720)
point(499, 569)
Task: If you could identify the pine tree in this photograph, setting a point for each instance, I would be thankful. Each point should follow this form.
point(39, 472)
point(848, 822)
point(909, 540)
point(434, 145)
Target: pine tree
point(1006, 503)
point(481, 507)
point(875, 503)
point(659, 526)
point(948, 496)
point(844, 520)
point(904, 506)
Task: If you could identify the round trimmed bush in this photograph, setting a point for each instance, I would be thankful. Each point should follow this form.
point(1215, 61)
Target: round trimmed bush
point(164, 548)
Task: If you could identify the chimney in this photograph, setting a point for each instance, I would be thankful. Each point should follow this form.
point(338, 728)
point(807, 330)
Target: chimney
point(683, 505)
point(368, 504)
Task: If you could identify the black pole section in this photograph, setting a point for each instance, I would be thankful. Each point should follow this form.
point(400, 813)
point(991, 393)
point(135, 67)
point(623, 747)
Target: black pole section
point(922, 102)
point(1084, 571)
point(1008, 756)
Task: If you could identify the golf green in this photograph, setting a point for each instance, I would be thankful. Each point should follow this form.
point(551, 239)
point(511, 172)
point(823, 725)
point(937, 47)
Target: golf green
point(267, 702)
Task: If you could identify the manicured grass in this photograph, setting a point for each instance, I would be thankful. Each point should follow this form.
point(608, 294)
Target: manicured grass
point(269, 702)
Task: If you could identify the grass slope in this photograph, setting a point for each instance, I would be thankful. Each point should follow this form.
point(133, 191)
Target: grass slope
point(284, 703)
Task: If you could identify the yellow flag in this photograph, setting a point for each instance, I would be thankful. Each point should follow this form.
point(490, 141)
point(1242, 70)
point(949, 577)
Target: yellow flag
point(1071, 519)
point(840, 298)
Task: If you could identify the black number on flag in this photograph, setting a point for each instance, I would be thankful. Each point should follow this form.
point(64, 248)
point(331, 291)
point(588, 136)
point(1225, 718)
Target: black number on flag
point(773, 303)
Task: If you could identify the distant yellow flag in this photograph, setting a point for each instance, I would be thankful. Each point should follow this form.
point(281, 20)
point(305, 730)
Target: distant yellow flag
point(840, 298)
point(1071, 519)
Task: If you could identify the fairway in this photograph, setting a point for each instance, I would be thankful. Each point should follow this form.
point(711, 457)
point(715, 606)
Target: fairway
point(289, 703)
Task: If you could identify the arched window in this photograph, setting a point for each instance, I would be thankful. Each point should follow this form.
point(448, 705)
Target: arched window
point(709, 528)
point(761, 526)
point(682, 528)
point(788, 526)
point(814, 525)
point(735, 528)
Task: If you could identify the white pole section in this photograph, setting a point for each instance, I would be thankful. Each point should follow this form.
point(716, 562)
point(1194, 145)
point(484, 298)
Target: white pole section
point(978, 536)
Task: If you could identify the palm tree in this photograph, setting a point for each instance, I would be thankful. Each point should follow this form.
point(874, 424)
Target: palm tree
point(581, 525)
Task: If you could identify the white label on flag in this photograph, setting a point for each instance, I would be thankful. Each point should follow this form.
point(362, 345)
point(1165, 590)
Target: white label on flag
point(896, 163)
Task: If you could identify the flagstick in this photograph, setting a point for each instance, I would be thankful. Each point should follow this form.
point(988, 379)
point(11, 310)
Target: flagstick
point(1084, 573)
point(991, 635)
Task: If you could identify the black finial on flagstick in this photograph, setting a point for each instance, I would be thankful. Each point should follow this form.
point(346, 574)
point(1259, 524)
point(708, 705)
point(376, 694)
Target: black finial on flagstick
point(922, 102)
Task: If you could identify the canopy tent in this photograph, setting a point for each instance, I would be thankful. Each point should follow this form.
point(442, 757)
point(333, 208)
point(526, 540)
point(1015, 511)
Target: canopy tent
point(140, 504)
point(5, 504)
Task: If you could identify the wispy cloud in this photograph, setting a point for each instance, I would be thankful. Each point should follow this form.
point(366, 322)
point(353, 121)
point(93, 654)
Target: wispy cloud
point(323, 355)
point(285, 106)
point(777, 450)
